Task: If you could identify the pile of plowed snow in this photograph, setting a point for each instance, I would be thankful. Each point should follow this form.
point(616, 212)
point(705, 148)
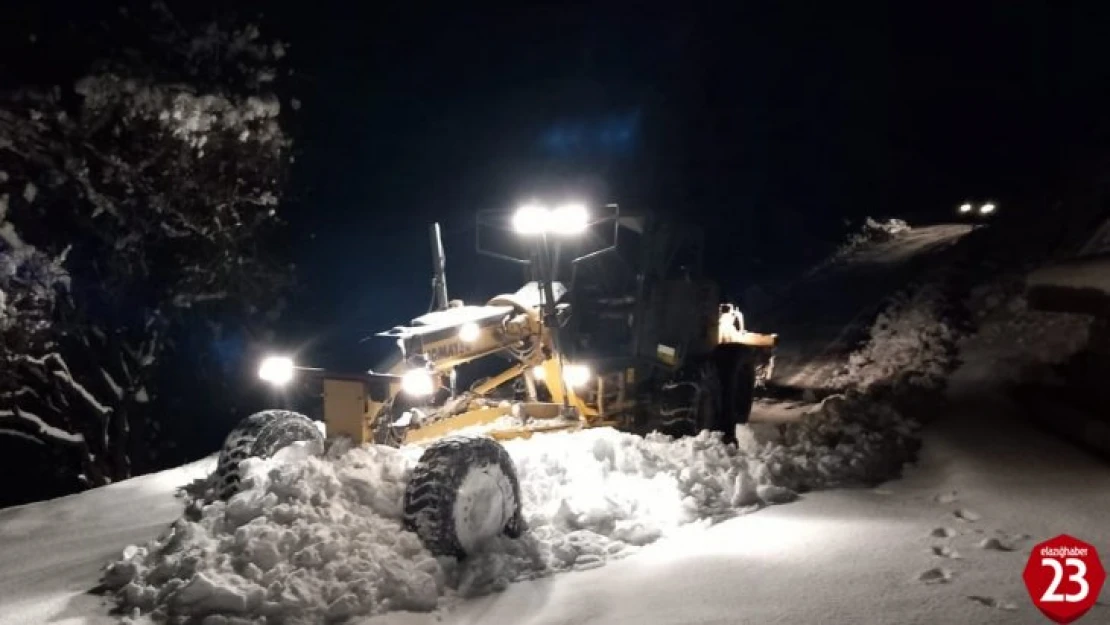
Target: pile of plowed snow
point(911, 343)
point(1015, 341)
point(313, 539)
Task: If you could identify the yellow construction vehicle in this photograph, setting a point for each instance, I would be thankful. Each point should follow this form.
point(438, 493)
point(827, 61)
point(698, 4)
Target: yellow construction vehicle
point(636, 340)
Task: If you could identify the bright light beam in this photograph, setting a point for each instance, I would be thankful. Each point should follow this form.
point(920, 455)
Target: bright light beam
point(530, 219)
point(277, 370)
point(569, 219)
point(566, 220)
point(418, 383)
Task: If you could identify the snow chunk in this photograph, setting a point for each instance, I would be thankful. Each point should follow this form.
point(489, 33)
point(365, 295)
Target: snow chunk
point(937, 575)
point(203, 595)
point(995, 544)
point(993, 602)
point(776, 494)
point(965, 514)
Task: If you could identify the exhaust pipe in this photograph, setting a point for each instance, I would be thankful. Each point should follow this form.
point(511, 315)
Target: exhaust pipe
point(439, 266)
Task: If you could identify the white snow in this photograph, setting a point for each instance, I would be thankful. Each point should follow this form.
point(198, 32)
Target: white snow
point(1014, 338)
point(42, 428)
point(850, 556)
point(843, 556)
point(316, 538)
point(872, 231)
point(111, 382)
point(52, 552)
point(909, 342)
point(1082, 273)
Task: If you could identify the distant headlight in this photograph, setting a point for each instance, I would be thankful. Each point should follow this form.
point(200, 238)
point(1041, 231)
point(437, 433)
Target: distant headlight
point(277, 370)
point(418, 383)
point(965, 208)
point(987, 208)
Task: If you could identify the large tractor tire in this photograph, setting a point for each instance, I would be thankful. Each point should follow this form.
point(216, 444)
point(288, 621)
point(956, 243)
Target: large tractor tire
point(260, 435)
point(737, 366)
point(692, 402)
point(462, 493)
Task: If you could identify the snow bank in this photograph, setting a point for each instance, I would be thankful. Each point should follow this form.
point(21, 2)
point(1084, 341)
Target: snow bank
point(313, 539)
point(872, 231)
point(1011, 339)
point(850, 439)
point(911, 343)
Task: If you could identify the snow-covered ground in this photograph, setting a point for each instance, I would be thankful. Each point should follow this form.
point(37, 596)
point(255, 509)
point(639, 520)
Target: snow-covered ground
point(905, 552)
point(624, 529)
point(917, 550)
point(52, 553)
point(312, 539)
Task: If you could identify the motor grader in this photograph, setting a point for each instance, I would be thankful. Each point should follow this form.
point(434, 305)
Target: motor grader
point(637, 339)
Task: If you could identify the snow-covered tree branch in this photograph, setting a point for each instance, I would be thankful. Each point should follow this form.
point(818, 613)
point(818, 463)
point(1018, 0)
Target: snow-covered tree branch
point(134, 206)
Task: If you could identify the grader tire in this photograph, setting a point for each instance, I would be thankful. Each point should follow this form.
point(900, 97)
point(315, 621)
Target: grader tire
point(737, 365)
point(463, 492)
point(692, 401)
point(260, 435)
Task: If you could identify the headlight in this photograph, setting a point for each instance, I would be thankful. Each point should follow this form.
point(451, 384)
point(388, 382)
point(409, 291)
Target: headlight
point(277, 370)
point(530, 219)
point(576, 375)
point(965, 208)
point(568, 219)
point(987, 208)
point(418, 383)
point(469, 332)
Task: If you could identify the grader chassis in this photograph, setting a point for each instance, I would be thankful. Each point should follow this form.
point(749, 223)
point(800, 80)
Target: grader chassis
point(639, 341)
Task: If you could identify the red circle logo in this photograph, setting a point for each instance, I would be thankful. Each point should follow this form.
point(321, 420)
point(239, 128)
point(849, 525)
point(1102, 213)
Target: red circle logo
point(1064, 578)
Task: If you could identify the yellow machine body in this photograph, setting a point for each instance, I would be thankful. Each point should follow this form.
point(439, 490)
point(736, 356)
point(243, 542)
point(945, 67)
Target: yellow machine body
point(352, 408)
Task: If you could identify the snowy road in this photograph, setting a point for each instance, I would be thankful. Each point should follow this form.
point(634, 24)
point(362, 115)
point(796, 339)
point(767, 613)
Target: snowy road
point(846, 556)
point(824, 312)
point(51, 553)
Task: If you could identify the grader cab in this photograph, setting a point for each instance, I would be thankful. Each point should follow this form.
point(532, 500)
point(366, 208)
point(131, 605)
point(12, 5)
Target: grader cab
point(623, 331)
